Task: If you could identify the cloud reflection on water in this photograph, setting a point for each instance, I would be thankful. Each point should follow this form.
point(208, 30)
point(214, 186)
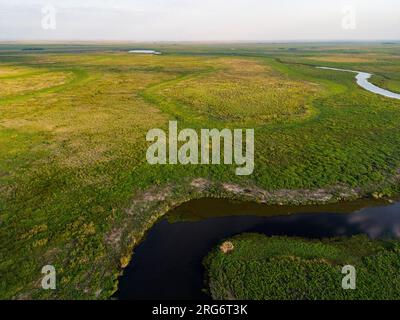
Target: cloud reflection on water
point(378, 222)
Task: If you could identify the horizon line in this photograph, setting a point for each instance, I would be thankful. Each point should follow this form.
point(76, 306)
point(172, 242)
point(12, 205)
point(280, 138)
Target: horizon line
point(38, 41)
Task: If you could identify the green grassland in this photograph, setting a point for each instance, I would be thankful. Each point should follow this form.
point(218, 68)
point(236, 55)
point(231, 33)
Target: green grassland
point(241, 93)
point(75, 188)
point(281, 268)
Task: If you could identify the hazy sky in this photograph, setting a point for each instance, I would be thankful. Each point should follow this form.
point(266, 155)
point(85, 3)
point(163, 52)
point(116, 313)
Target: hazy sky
point(197, 20)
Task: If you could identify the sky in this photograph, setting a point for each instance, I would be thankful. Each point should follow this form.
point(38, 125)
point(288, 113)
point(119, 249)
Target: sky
point(199, 20)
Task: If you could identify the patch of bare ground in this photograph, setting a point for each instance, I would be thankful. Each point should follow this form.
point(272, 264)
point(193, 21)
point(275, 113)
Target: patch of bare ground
point(114, 237)
point(295, 197)
point(200, 184)
point(227, 247)
point(145, 209)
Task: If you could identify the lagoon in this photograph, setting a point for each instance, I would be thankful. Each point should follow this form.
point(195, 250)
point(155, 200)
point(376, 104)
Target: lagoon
point(145, 52)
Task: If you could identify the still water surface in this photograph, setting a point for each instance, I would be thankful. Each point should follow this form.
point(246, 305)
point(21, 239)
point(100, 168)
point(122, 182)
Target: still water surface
point(144, 51)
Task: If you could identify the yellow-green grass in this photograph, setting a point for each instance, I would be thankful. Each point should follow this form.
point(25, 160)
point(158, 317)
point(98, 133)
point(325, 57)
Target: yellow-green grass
point(72, 155)
point(11, 71)
point(239, 93)
point(33, 82)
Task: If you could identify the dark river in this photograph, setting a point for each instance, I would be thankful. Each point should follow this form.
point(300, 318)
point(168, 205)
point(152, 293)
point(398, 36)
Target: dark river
point(168, 263)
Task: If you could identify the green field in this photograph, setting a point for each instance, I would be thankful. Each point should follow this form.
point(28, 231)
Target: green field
point(76, 191)
point(281, 268)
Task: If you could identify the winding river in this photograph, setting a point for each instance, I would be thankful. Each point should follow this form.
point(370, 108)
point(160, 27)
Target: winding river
point(362, 80)
point(167, 265)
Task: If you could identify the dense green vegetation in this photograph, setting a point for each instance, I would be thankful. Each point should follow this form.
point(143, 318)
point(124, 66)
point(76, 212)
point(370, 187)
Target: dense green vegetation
point(280, 268)
point(75, 188)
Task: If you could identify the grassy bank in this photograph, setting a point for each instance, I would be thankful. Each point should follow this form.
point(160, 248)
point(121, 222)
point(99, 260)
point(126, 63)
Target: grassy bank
point(280, 268)
point(75, 188)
